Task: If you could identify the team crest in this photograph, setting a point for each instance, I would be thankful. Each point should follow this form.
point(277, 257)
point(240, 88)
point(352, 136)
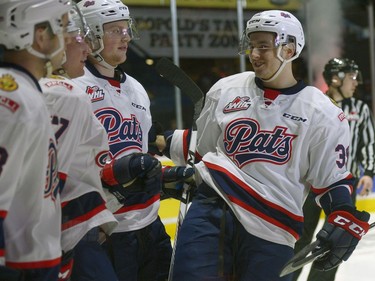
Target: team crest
point(124, 133)
point(285, 15)
point(239, 103)
point(8, 83)
point(88, 4)
point(245, 142)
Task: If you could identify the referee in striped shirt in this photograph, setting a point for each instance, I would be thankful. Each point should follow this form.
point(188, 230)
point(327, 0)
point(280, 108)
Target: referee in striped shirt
point(342, 76)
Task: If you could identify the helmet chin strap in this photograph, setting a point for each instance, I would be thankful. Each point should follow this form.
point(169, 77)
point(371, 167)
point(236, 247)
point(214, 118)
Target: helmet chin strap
point(281, 67)
point(38, 54)
point(49, 57)
point(102, 62)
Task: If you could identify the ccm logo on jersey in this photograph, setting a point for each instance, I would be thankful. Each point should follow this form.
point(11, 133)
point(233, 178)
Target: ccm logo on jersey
point(95, 93)
point(293, 117)
point(239, 103)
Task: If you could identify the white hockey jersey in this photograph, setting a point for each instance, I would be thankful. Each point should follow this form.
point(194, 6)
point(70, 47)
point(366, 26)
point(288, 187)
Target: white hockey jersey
point(262, 156)
point(123, 107)
point(30, 211)
point(82, 149)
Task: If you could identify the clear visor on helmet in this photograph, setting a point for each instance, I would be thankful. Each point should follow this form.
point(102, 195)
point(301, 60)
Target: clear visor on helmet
point(79, 30)
point(133, 29)
point(246, 47)
point(91, 40)
point(130, 31)
point(243, 48)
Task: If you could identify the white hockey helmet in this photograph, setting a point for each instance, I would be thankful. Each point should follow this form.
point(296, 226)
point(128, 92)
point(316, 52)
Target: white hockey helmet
point(286, 26)
point(79, 28)
point(99, 12)
point(19, 17)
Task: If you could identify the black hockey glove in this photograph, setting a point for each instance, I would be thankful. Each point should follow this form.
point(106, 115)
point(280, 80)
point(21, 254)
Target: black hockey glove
point(174, 179)
point(132, 173)
point(342, 232)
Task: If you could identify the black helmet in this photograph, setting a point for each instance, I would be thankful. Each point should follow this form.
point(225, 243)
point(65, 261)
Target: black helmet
point(340, 67)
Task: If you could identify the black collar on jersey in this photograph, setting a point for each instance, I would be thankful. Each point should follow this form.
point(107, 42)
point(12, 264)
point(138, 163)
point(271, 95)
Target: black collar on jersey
point(286, 91)
point(22, 69)
point(120, 75)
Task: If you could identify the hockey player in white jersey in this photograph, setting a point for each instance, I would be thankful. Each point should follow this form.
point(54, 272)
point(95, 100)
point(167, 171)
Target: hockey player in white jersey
point(31, 35)
point(342, 76)
point(265, 139)
point(82, 147)
point(140, 248)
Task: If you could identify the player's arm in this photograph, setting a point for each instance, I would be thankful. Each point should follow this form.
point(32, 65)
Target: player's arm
point(333, 185)
point(14, 140)
point(207, 136)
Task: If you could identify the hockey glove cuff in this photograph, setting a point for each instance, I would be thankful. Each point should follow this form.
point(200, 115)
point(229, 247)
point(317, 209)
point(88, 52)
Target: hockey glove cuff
point(125, 170)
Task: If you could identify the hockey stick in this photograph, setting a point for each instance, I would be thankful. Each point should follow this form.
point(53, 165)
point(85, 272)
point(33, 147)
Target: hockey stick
point(302, 257)
point(176, 76)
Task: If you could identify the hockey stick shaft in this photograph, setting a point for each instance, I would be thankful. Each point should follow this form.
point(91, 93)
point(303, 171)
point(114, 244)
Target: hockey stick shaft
point(177, 77)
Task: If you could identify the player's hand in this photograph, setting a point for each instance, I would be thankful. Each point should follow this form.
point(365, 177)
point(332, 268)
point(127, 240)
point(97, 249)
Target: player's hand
point(342, 232)
point(131, 174)
point(174, 175)
point(125, 170)
point(365, 183)
point(174, 179)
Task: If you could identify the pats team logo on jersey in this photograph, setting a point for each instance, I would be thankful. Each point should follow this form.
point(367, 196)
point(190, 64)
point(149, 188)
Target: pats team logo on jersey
point(246, 142)
point(101, 158)
point(95, 93)
point(123, 133)
point(8, 83)
point(239, 103)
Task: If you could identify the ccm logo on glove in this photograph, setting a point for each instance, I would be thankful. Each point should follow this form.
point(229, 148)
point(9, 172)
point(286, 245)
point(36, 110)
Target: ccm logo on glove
point(350, 223)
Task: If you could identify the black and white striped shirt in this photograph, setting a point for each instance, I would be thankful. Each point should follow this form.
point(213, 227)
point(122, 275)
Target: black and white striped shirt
point(362, 130)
